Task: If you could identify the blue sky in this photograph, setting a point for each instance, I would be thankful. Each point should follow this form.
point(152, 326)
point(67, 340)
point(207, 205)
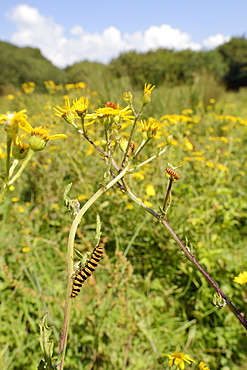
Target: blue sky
point(67, 32)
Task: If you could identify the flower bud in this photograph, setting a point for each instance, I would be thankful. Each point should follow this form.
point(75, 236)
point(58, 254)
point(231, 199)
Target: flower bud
point(127, 96)
point(146, 97)
point(19, 150)
point(37, 142)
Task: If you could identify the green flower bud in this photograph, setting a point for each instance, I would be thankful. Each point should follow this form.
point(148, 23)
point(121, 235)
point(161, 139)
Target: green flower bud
point(37, 142)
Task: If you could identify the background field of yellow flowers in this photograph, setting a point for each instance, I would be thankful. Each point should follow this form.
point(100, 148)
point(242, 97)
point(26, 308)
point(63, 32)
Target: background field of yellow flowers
point(151, 301)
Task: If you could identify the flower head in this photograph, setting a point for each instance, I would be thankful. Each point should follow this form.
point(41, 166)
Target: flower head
point(178, 359)
point(40, 136)
point(69, 114)
point(12, 121)
point(146, 97)
point(108, 115)
point(80, 106)
point(241, 278)
point(149, 129)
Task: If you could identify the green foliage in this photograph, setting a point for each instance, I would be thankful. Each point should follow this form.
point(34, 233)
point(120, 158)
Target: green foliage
point(152, 301)
point(19, 65)
point(167, 66)
point(234, 53)
point(225, 65)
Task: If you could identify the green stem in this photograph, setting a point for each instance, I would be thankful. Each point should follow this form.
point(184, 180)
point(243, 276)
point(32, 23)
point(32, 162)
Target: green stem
point(137, 115)
point(9, 144)
point(23, 166)
point(168, 196)
point(142, 145)
point(70, 254)
point(5, 187)
point(17, 175)
point(162, 151)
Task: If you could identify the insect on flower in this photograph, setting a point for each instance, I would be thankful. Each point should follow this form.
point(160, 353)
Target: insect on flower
point(87, 271)
point(172, 173)
point(112, 105)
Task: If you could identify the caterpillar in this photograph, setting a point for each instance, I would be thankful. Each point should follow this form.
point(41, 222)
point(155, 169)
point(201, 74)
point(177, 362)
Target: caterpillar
point(172, 173)
point(87, 271)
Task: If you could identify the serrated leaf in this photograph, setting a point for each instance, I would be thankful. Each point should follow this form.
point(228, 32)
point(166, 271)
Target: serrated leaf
point(46, 344)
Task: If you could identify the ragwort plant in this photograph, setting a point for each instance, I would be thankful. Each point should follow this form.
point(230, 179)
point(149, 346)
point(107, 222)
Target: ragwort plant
point(122, 158)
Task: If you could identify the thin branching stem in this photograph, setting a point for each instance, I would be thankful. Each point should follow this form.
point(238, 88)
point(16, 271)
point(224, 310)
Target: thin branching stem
point(189, 255)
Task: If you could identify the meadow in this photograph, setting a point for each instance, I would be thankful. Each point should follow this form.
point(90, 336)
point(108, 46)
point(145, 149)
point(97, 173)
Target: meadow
point(145, 300)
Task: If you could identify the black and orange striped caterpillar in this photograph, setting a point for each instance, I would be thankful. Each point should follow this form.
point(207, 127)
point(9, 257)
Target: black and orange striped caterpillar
point(172, 173)
point(87, 271)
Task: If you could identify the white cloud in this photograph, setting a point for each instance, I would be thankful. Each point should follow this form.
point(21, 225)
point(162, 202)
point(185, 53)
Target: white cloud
point(76, 30)
point(36, 30)
point(216, 40)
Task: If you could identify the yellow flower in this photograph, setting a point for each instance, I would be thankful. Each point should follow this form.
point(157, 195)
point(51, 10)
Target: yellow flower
point(178, 359)
point(80, 106)
point(241, 278)
point(25, 249)
point(187, 111)
point(69, 86)
point(108, 115)
point(9, 97)
point(80, 85)
point(28, 87)
point(50, 86)
point(150, 190)
point(21, 209)
point(202, 366)
point(40, 136)
point(12, 121)
point(146, 97)
point(149, 130)
point(139, 175)
point(69, 114)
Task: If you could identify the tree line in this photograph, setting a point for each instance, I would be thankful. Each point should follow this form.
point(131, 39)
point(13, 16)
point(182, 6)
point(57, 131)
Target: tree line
point(227, 63)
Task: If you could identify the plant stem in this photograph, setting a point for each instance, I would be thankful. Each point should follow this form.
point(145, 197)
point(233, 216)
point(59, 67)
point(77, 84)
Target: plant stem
point(17, 175)
point(137, 115)
point(70, 254)
point(23, 166)
point(168, 195)
point(189, 255)
point(9, 145)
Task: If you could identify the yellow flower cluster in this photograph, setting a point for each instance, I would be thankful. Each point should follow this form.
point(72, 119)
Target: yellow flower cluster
point(28, 87)
point(52, 87)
